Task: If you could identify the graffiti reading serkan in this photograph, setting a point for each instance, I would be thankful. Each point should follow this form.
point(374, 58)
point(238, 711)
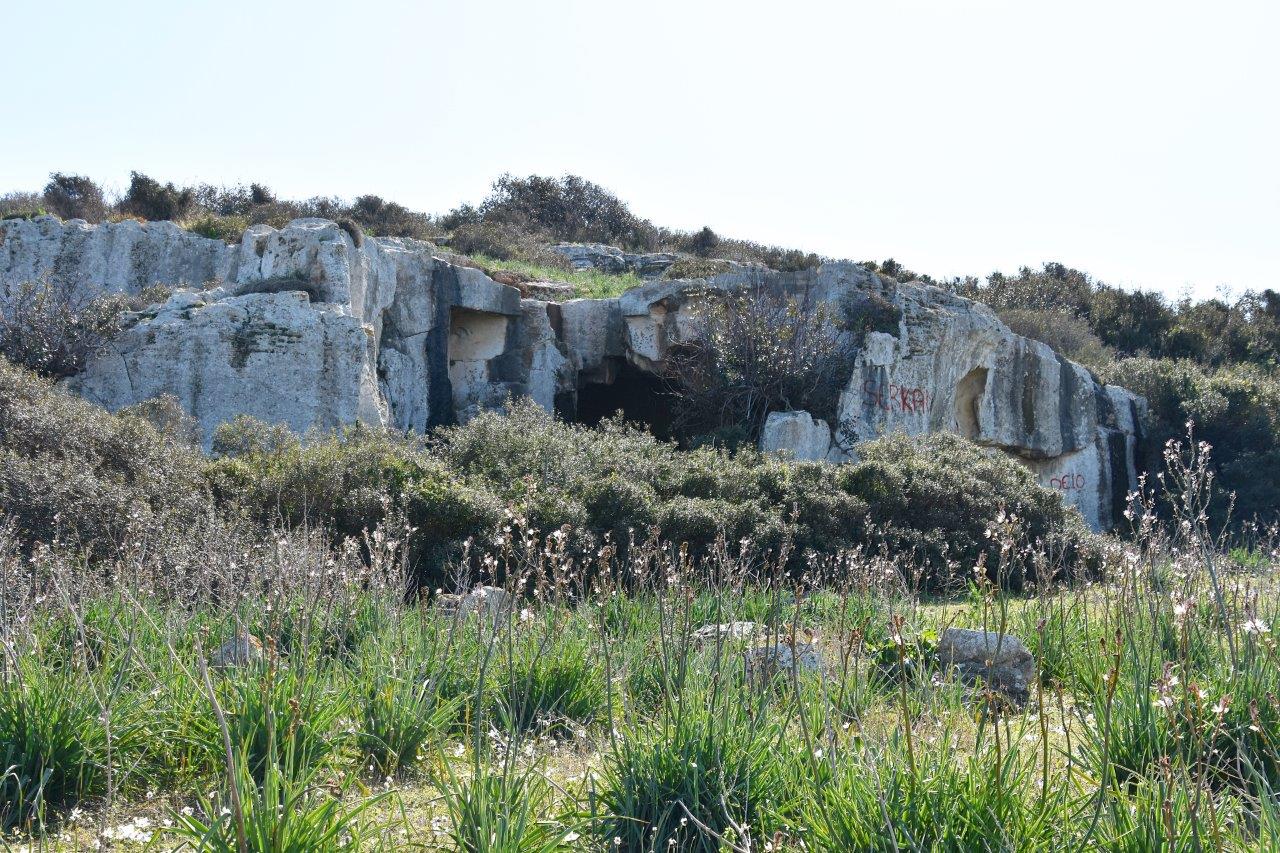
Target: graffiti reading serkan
point(894, 397)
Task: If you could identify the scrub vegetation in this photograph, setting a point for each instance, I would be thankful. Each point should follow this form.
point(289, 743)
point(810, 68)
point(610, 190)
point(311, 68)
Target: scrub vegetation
point(577, 707)
point(520, 634)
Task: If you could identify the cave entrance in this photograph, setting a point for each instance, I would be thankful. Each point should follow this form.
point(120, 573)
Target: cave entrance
point(642, 398)
point(968, 399)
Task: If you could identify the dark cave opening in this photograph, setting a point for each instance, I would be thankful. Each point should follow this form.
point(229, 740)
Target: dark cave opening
point(642, 397)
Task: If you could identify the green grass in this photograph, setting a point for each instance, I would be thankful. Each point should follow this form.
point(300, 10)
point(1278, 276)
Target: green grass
point(587, 284)
point(587, 714)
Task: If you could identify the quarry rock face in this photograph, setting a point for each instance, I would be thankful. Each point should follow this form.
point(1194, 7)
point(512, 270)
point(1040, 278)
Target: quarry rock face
point(316, 328)
point(273, 356)
point(950, 366)
point(126, 257)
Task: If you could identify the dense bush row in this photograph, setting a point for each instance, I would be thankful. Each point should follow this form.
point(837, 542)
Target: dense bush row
point(1093, 322)
point(69, 470)
point(219, 212)
point(934, 498)
point(70, 466)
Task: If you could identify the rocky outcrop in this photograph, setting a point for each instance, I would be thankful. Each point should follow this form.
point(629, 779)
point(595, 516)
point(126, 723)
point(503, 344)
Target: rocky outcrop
point(299, 325)
point(951, 365)
point(274, 356)
point(126, 257)
point(611, 259)
point(307, 327)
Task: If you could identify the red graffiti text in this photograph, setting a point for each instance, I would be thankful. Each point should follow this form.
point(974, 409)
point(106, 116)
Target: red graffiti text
point(895, 398)
point(1067, 482)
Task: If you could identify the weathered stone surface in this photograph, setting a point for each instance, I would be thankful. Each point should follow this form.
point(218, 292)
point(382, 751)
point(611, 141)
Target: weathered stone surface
point(1000, 660)
point(781, 657)
point(798, 434)
point(611, 259)
point(306, 327)
point(544, 365)
point(492, 602)
point(125, 257)
point(275, 356)
point(592, 329)
point(709, 634)
point(548, 291)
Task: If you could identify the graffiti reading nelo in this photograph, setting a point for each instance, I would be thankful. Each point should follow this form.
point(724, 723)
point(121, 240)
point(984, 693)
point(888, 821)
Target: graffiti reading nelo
point(1067, 482)
point(895, 398)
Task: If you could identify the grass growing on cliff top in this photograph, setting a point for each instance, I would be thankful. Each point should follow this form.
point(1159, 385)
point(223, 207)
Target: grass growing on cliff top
point(587, 284)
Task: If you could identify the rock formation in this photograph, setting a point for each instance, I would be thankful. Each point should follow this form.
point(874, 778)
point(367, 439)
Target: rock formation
point(315, 328)
point(1001, 661)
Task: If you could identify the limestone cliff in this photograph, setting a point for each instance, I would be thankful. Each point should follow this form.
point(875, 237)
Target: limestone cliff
point(310, 327)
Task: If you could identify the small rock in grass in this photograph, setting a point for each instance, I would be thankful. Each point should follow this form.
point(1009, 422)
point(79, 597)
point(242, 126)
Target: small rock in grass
point(238, 651)
point(727, 631)
point(493, 601)
point(1000, 660)
point(778, 656)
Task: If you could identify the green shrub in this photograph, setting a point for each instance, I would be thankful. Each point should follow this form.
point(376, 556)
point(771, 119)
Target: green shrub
point(276, 713)
point(388, 219)
point(1235, 409)
point(75, 197)
point(226, 228)
point(503, 809)
point(348, 481)
point(1065, 333)
point(148, 199)
point(401, 712)
point(696, 268)
point(501, 242)
point(283, 806)
point(52, 744)
point(759, 351)
point(552, 681)
point(686, 780)
point(940, 495)
point(871, 312)
point(70, 470)
point(567, 208)
point(48, 326)
point(20, 205)
point(886, 800)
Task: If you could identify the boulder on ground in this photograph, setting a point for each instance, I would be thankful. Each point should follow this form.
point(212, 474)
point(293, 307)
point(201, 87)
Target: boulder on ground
point(779, 656)
point(494, 602)
point(1002, 661)
point(727, 631)
point(611, 259)
point(238, 651)
point(798, 433)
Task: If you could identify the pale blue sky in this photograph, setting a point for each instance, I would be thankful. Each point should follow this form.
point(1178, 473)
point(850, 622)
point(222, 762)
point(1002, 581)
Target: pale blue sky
point(1137, 141)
